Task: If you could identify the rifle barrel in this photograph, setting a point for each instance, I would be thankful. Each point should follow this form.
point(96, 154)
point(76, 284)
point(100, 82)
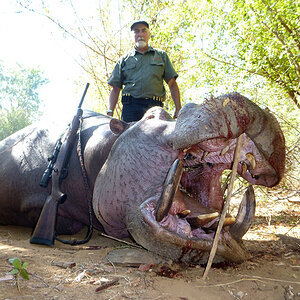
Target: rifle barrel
point(83, 95)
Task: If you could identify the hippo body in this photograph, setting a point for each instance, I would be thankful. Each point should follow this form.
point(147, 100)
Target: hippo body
point(128, 166)
point(23, 160)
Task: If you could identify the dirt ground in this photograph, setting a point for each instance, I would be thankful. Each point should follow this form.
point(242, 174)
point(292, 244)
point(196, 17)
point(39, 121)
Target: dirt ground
point(81, 272)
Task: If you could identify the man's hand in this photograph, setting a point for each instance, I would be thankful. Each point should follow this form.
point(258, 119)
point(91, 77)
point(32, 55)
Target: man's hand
point(176, 113)
point(174, 89)
point(110, 112)
point(113, 99)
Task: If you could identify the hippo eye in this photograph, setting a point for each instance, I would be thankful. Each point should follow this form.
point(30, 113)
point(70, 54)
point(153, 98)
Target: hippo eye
point(256, 177)
point(210, 165)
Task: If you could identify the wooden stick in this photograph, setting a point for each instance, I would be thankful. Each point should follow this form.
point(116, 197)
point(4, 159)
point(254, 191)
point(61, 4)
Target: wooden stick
point(225, 208)
point(121, 241)
point(106, 285)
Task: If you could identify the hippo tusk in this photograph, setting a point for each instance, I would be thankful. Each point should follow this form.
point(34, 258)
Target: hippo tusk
point(245, 215)
point(169, 188)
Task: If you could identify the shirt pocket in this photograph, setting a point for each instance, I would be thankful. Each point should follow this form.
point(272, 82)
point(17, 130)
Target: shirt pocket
point(157, 61)
point(129, 64)
point(129, 71)
point(157, 67)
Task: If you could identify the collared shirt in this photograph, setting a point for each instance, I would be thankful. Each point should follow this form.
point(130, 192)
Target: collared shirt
point(142, 75)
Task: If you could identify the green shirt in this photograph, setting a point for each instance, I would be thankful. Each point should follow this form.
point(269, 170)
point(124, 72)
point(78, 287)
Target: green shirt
point(142, 74)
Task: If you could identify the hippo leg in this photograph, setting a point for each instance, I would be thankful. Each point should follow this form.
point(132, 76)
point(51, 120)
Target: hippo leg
point(67, 226)
point(31, 208)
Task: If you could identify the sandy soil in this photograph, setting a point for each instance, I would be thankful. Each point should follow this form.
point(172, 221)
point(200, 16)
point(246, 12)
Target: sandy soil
point(80, 272)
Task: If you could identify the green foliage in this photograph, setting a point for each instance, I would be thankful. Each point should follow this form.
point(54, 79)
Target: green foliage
point(19, 269)
point(259, 37)
point(216, 46)
point(19, 99)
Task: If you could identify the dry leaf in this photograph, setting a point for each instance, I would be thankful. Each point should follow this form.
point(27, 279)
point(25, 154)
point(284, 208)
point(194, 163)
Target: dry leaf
point(226, 101)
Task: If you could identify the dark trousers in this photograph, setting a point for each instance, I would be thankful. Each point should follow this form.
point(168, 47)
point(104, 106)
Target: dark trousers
point(135, 108)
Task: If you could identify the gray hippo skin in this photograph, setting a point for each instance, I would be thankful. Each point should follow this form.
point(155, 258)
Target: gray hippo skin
point(129, 169)
point(23, 160)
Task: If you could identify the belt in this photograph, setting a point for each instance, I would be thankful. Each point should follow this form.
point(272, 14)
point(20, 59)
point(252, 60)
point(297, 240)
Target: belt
point(154, 101)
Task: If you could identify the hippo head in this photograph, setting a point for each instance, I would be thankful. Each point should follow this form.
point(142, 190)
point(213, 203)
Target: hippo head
point(161, 181)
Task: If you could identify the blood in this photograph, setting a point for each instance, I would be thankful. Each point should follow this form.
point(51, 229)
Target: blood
point(185, 250)
point(168, 272)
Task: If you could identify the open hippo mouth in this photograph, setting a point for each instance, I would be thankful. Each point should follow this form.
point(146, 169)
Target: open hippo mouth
point(189, 207)
point(182, 221)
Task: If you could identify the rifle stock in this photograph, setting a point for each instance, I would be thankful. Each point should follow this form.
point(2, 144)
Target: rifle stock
point(44, 232)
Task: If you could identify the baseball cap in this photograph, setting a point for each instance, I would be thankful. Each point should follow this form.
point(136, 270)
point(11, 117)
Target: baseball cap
point(139, 22)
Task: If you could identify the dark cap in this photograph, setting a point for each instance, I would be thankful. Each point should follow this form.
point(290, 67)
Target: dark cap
point(139, 22)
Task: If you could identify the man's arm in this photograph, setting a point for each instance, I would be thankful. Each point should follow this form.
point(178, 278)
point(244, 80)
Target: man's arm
point(174, 89)
point(113, 99)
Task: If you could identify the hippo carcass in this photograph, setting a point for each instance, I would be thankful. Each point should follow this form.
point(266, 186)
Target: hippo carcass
point(131, 168)
point(23, 160)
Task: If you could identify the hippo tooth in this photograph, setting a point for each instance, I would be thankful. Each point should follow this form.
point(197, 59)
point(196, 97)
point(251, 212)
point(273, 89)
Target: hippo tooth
point(201, 220)
point(204, 155)
point(184, 213)
point(187, 149)
point(227, 222)
point(225, 150)
point(169, 188)
point(251, 160)
point(244, 168)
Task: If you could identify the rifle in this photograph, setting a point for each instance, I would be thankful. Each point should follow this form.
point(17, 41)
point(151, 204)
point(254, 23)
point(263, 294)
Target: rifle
point(44, 232)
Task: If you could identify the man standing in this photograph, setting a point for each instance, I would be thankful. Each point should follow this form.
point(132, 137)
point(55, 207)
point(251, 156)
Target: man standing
point(142, 72)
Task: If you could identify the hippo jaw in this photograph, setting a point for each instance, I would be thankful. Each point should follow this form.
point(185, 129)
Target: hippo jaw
point(177, 232)
point(174, 240)
point(185, 230)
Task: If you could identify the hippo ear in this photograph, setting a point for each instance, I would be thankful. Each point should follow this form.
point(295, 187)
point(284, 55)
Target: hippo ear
point(118, 126)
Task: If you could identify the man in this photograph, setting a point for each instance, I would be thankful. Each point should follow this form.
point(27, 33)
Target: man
point(142, 72)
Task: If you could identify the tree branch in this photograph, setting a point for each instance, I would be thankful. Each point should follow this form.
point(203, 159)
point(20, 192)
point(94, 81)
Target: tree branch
point(231, 64)
point(65, 30)
point(287, 28)
point(281, 40)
